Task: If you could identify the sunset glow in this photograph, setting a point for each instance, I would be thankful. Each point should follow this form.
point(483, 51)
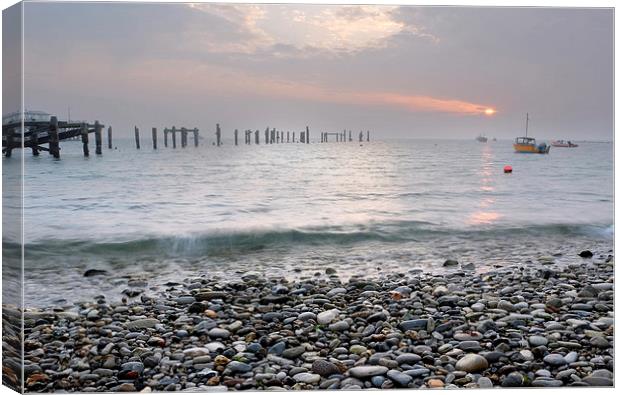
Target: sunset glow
point(489, 111)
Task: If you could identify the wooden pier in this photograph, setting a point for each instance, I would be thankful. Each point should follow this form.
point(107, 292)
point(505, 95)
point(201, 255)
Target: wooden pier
point(38, 133)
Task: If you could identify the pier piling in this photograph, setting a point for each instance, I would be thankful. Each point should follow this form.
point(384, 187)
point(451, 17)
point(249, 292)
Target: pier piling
point(246, 137)
point(154, 132)
point(174, 137)
point(35, 143)
point(195, 131)
point(54, 145)
point(218, 134)
point(98, 139)
point(9, 144)
point(166, 137)
point(307, 135)
point(84, 131)
point(137, 134)
point(109, 137)
point(368, 135)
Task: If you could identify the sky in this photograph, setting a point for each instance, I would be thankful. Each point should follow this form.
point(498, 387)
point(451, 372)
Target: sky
point(398, 71)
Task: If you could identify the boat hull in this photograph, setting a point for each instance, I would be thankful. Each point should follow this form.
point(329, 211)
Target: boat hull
point(530, 149)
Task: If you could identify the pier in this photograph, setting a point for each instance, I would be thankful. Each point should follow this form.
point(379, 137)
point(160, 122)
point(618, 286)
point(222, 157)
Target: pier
point(38, 133)
point(51, 132)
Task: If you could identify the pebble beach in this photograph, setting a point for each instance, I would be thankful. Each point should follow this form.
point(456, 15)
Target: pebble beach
point(538, 324)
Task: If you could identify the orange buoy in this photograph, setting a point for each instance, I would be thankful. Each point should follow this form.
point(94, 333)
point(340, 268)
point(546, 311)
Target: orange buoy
point(507, 169)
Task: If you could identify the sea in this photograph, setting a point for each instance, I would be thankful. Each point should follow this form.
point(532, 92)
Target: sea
point(293, 210)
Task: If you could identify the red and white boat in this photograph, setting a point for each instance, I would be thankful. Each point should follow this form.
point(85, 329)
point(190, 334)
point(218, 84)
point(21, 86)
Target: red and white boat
point(564, 144)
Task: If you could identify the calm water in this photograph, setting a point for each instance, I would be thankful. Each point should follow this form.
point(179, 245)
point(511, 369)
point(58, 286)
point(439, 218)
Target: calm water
point(394, 205)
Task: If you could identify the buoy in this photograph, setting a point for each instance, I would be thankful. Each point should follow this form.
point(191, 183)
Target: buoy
point(507, 169)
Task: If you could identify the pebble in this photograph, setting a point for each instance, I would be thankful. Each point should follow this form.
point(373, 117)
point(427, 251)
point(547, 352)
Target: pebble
point(339, 326)
point(555, 359)
point(485, 382)
point(536, 341)
point(307, 378)
point(328, 316)
point(141, 324)
point(238, 367)
point(324, 368)
point(401, 378)
point(367, 371)
point(472, 363)
point(521, 325)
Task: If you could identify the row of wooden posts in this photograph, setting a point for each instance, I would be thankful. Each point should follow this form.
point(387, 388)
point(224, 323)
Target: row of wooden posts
point(173, 131)
point(272, 136)
point(38, 133)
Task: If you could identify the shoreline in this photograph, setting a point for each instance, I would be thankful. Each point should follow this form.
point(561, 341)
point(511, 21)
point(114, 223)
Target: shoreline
point(537, 325)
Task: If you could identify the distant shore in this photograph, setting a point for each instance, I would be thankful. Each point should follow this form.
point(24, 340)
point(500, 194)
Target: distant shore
point(530, 325)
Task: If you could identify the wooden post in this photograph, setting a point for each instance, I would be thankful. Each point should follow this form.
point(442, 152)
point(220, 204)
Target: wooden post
point(98, 139)
point(154, 132)
point(293, 137)
point(350, 139)
point(368, 135)
point(307, 135)
point(84, 133)
point(273, 136)
point(257, 137)
point(9, 143)
point(195, 137)
point(54, 145)
point(246, 137)
point(166, 137)
point(267, 135)
point(174, 137)
point(288, 137)
point(109, 137)
point(137, 134)
point(183, 137)
point(35, 143)
point(218, 133)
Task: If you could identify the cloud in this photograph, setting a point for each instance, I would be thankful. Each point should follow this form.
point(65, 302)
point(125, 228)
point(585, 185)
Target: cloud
point(201, 80)
point(228, 82)
point(305, 29)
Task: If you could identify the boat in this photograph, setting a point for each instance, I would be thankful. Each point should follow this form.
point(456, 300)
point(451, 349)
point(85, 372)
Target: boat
point(528, 145)
point(481, 139)
point(564, 144)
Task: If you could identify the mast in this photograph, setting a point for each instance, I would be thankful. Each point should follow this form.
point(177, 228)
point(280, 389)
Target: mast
point(527, 119)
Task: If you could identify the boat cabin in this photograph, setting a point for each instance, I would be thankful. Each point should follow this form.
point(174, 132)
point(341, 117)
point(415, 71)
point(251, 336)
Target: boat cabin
point(525, 141)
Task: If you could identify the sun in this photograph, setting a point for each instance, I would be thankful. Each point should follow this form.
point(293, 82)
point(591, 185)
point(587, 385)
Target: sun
point(489, 111)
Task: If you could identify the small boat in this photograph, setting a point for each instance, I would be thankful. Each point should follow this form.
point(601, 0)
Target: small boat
point(481, 139)
point(528, 144)
point(564, 144)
